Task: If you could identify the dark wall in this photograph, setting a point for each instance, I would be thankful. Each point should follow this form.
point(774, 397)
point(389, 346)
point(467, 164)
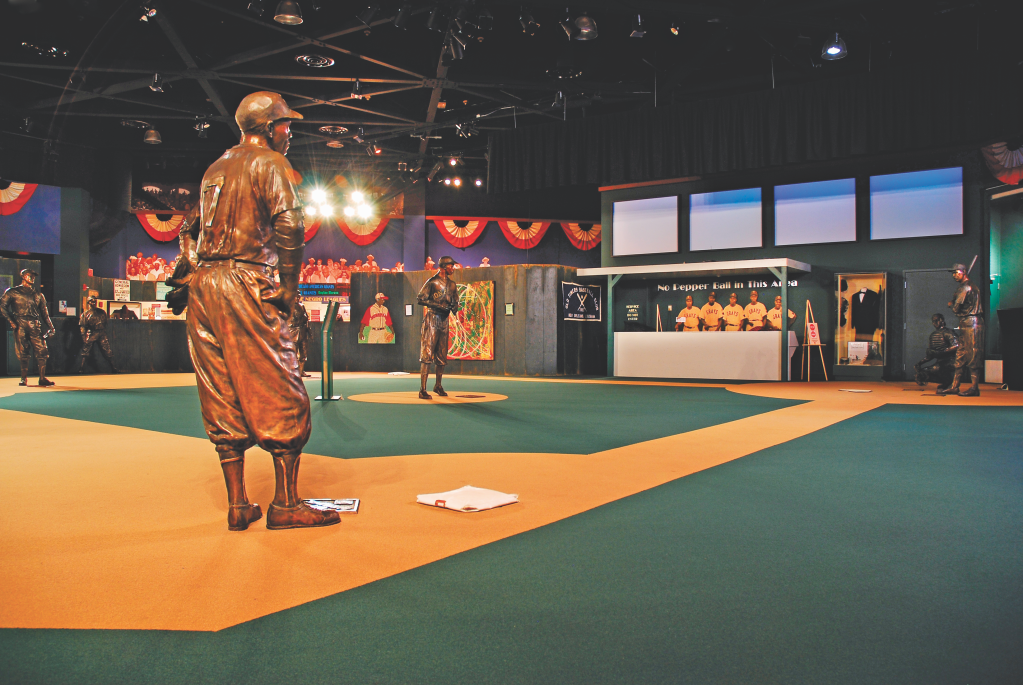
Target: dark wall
point(1006, 264)
point(534, 341)
point(575, 203)
point(862, 256)
point(108, 261)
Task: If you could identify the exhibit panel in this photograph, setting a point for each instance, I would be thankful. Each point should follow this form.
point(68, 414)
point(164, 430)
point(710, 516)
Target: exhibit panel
point(860, 337)
point(715, 355)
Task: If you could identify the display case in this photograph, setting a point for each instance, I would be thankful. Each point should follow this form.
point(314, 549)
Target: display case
point(862, 320)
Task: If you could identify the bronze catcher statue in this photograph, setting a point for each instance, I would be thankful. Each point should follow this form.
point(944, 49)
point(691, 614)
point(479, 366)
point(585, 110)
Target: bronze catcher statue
point(938, 364)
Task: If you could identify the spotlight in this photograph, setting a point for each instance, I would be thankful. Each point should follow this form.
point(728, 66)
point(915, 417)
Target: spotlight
point(485, 21)
point(356, 92)
point(373, 150)
point(529, 26)
point(559, 100)
point(437, 21)
point(674, 28)
point(310, 210)
point(568, 26)
point(333, 130)
point(318, 195)
point(357, 197)
point(202, 126)
point(453, 161)
point(349, 211)
point(157, 85)
point(27, 124)
point(457, 182)
point(148, 12)
point(336, 144)
point(586, 27)
point(461, 38)
point(152, 137)
point(402, 166)
point(467, 129)
point(436, 167)
point(364, 211)
point(256, 7)
point(289, 13)
point(326, 210)
point(638, 28)
point(366, 16)
point(478, 182)
point(834, 49)
point(447, 181)
point(401, 18)
point(455, 49)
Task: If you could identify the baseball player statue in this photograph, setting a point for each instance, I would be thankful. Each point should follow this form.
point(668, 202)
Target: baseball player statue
point(439, 297)
point(249, 221)
point(970, 355)
point(298, 324)
point(93, 325)
point(25, 309)
point(938, 364)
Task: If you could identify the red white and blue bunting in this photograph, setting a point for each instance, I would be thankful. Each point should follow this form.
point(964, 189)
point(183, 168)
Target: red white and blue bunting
point(460, 232)
point(524, 235)
point(159, 226)
point(14, 197)
point(583, 236)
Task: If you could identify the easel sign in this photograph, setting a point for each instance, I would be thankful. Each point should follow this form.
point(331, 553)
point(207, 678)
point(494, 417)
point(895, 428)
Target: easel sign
point(811, 338)
point(813, 334)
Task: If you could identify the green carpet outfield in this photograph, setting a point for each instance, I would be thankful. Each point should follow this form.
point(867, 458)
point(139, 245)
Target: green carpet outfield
point(883, 549)
point(567, 418)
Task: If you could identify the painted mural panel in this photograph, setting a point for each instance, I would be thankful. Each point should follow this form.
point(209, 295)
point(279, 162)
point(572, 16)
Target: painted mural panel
point(471, 331)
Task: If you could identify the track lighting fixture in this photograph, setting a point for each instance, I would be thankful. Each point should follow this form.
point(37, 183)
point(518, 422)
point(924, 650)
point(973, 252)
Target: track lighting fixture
point(834, 49)
point(674, 28)
point(638, 27)
point(157, 85)
point(360, 135)
point(447, 181)
point(568, 26)
point(436, 168)
point(478, 182)
point(256, 7)
point(457, 182)
point(148, 12)
point(202, 126)
point(559, 100)
point(367, 15)
point(453, 161)
point(485, 21)
point(467, 129)
point(152, 137)
point(529, 25)
point(437, 21)
point(456, 49)
point(373, 150)
point(404, 12)
point(357, 91)
point(288, 13)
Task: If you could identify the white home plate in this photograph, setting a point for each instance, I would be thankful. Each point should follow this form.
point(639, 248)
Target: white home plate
point(454, 397)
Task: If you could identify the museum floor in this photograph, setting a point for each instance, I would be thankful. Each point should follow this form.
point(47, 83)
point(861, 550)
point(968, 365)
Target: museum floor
point(667, 532)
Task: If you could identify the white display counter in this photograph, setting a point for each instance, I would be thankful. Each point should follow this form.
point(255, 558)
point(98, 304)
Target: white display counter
point(749, 355)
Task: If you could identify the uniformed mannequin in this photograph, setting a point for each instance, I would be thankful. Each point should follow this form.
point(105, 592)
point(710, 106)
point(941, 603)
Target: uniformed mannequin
point(439, 297)
point(970, 355)
point(941, 349)
point(25, 309)
point(772, 322)
point(250, 391)
point(93, 325)
point(733, 314)
point(301, 329)
point(711, 314)
point(755, 312)
point(692, 317)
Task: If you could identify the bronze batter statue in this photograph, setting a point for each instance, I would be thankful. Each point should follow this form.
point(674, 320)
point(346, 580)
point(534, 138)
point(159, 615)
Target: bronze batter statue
point(300, 329)
point(25, 309)
point(938, 365)
point(970, 355)
point(439, 297)
point(93, 324)
point(250, 220)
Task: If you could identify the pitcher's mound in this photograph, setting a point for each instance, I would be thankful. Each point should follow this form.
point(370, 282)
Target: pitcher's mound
point(454, 397)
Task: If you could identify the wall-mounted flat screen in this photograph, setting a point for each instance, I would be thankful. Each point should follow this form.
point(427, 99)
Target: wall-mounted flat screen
point(645, 226)
point(819, 212)
point(916, 204)
point(725, 219)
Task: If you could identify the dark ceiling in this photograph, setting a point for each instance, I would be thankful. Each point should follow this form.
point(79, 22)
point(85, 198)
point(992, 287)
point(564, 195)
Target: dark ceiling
point(210, 53)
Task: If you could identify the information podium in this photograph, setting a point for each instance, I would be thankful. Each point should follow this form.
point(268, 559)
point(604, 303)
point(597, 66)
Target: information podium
point(327, 361)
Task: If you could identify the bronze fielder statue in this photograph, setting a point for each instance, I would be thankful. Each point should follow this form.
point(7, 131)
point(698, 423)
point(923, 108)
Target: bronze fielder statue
point(25, 309)
point(93, 324)
point(300, 329)
point(938, 365)
point(250, 220)
point(970, 355)
point(439, 297)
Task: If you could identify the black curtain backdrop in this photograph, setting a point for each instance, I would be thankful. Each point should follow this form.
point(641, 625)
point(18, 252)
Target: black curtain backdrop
point(858, 115)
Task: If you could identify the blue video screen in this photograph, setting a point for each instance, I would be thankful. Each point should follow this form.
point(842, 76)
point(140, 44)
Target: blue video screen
point(819, 212)
point(916, 204)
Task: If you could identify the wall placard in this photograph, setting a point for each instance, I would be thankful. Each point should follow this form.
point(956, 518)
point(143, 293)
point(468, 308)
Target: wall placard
point(122, 290)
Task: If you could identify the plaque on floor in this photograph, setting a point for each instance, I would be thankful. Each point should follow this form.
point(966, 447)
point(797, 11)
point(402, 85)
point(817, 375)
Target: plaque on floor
point(341, 506)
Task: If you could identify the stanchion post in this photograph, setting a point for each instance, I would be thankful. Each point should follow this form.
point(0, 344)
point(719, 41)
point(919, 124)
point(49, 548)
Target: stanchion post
point(327, 354)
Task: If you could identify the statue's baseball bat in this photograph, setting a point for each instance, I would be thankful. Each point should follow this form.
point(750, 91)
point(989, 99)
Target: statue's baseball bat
point(971, 264)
